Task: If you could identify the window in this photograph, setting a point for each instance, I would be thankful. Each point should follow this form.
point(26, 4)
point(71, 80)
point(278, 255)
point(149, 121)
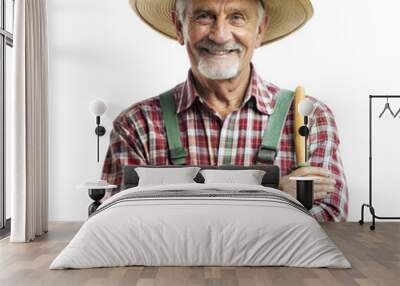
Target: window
point(6, 44)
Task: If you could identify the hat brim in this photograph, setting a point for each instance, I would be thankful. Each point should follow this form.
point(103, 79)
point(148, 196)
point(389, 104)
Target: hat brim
point(285, 16)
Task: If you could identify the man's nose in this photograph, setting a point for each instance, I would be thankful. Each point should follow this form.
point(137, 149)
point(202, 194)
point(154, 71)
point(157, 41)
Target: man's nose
point(220, 32)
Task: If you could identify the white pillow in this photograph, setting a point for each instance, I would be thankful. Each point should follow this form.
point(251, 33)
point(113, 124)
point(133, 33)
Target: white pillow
point(162, 176)
point(248, 177)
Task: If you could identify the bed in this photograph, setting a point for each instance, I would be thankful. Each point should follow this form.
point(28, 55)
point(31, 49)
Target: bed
point(202, 223)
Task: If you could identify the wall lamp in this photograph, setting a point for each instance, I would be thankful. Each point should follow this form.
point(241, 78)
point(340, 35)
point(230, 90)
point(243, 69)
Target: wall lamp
point(97, 107)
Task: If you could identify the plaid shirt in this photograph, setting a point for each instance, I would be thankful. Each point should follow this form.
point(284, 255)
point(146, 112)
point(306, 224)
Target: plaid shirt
point(139, 138)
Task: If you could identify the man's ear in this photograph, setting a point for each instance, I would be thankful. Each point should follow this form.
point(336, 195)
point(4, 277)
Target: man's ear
point(178, 27)
point(261, 30)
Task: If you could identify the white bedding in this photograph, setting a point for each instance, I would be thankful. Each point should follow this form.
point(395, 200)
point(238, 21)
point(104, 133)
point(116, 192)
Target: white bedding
point(185, 230)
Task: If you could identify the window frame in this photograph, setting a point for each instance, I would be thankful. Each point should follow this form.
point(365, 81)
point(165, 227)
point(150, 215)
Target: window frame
point(6, 39)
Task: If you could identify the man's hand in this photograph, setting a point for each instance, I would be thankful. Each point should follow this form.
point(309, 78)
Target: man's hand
point(325, 184)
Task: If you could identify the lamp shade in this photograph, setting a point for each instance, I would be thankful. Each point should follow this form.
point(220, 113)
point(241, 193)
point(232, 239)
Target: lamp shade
point(306, 107)
point(97, 107)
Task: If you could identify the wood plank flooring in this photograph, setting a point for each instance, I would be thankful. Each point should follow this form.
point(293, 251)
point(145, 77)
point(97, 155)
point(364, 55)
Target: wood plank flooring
point(375, 257)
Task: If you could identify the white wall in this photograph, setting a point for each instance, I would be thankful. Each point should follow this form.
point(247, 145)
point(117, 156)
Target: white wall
point(99, 48)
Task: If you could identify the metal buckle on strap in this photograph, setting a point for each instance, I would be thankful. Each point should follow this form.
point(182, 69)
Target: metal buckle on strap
point(266, 155)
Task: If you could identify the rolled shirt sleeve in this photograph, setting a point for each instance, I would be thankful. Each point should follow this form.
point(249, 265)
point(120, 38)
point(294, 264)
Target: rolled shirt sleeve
point(324, 152)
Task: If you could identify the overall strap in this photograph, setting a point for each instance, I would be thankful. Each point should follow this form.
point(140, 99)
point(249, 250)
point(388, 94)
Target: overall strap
point(168, 109)
point(272, 133)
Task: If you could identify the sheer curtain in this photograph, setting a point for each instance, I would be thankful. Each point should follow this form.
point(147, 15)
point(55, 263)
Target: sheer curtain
point(28, 121)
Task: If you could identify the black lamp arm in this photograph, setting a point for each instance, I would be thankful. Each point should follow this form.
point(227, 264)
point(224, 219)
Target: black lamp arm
point(100, 131)
point(305, 131)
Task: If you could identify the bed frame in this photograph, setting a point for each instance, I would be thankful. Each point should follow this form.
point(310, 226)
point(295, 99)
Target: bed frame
point(270, 179)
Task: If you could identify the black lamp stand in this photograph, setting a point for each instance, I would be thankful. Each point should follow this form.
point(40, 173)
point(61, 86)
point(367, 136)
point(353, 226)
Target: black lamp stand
point(96, 195)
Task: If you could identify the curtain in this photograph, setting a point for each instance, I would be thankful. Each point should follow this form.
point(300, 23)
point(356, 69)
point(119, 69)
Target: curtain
point(29, 122)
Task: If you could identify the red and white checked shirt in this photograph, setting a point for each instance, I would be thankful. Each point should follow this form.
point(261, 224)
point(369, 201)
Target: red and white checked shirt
point(139, 138)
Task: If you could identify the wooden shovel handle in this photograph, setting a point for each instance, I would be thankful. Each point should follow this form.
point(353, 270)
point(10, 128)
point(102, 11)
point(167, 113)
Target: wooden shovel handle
point(298, 122)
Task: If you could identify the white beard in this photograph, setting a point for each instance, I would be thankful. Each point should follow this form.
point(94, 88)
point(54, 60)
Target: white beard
point(219, 69)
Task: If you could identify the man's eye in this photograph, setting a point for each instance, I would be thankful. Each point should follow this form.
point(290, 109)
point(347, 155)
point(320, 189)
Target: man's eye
point(203, 17)
point(237, 19)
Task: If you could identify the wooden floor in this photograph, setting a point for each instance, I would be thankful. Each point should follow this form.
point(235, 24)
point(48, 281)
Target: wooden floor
point(375, 257)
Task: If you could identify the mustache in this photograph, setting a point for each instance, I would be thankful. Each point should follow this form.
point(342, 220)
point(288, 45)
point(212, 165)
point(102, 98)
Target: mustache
point(214, 47)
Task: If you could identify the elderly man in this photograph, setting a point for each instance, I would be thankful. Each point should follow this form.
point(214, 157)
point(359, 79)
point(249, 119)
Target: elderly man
point(223, 108)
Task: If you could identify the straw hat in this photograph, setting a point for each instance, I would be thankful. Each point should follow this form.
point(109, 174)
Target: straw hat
point(285, 16)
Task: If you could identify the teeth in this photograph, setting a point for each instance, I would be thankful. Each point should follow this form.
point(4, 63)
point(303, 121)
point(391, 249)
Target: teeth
point(219, 53)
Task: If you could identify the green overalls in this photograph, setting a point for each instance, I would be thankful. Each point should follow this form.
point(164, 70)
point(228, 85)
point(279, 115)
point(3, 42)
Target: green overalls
point(272, 134)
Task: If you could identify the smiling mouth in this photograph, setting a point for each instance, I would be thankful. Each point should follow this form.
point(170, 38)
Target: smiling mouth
point(218, 52)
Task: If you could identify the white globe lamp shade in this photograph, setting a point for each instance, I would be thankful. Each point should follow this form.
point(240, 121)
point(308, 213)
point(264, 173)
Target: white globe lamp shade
point(97, 107)
point(306, 107)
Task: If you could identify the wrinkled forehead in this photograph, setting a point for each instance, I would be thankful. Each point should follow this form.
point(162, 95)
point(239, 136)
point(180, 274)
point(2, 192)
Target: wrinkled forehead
point(218, 5)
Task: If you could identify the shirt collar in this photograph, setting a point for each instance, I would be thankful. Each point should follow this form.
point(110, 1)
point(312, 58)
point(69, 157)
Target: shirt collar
point(263, 93)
